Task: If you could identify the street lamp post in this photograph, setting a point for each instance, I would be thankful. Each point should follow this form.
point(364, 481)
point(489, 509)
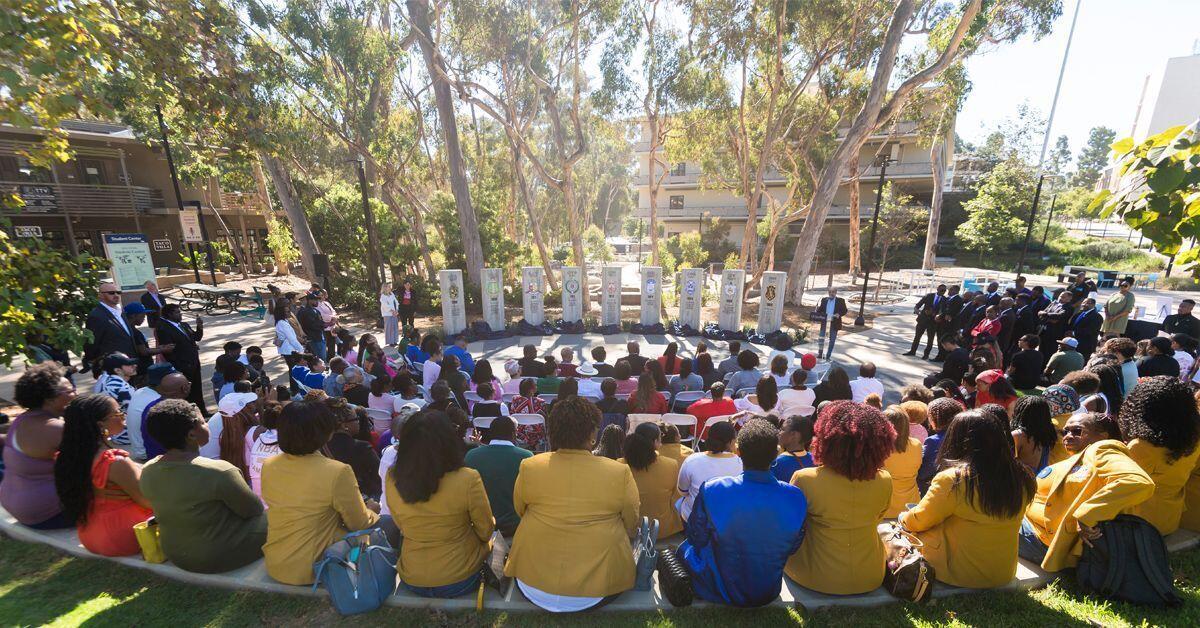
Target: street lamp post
point(1048, 218)
point(1037, 194)
point(862, 301)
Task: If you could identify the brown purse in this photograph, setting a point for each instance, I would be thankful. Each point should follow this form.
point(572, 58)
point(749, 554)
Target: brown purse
point(907, 575)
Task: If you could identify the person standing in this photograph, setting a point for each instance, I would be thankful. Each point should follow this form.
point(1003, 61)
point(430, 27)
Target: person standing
point(185, 352)
point(329, 321)
point(1026, 317)
point(972, 314)
point(947, 318)
point(312, 324)
point(408, 305)
point(927, 310)
point(1085, 327)
point(831, 308)
point(153, 301)
point(389, 309)
point(110, 331)
point(1054, 320)
point(1081, 287)
point(1008, 324)
point(1182, 322)
point(1117, 310)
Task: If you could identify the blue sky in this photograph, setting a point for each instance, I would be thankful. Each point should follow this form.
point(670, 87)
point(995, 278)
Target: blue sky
point(1117, 43)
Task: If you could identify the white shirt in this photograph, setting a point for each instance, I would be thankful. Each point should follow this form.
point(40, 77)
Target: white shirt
point(588, 388)
point(288, 342)
point(1185, 360)
point(133, 420)
point(830, 306)
point(257, 452)
point(429, 373)
point(557, 603)
point(117, 314)
point(400, 402)
point(792, 401)
point(212, 449)
point(863, 386)
point(386, 461)
point(699, 468)
point(389, 305)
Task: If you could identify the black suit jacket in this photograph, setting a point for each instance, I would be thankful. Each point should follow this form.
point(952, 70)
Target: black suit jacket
point(108, 335)
point(926, 308)
point(1008, 324)
point(311, 323)
point(965, 315)
point(1026, 323)
point(951, 309)
point(154, 306)
point(186, 354)
point(1086, 329)
point(839, 310)
point(993, 298)
point(604, 370)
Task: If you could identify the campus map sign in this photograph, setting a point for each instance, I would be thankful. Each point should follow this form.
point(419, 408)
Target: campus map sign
point(132, 265)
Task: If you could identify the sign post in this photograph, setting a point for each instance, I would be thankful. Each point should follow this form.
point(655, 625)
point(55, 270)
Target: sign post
point(610, 296)
point(770, 303)
point(454, 307)
point(572, 294)
point(493, 298)
point(651, 295)
point(729, 316)
point(132, 265)
point(533, 292)
point(691, 296)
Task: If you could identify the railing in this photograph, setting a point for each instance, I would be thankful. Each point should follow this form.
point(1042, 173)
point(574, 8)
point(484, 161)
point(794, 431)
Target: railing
point(734, 211)
point(913, 169)
point(94, 200)
point(241, 201)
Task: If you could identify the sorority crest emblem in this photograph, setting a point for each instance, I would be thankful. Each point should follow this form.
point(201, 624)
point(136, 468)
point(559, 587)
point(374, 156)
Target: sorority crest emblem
point(730, 290)
point(651, 286)
point(771, 293)
point(572, 286)
point(453, 292)
point(493, 288)
point(690, 287)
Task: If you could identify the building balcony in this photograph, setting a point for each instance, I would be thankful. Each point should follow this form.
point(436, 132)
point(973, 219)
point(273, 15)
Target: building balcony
point(905, 170)
point(734, 212)
point(84, 200)
point(243, 202)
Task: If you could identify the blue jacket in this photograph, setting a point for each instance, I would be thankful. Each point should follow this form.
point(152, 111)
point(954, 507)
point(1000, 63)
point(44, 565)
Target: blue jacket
point(740, 535)
point(786, 465)
point(465, 361)
point(929, 454)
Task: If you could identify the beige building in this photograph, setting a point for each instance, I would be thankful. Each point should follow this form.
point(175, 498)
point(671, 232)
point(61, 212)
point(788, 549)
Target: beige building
point(117, 184)
point(686, 194)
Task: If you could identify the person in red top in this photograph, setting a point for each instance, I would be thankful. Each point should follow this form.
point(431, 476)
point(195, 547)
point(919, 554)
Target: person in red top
point(646, 399)
point(407, 299)
point(669, 360)
point(990, 325)
point(566, 368)
point(706, 409)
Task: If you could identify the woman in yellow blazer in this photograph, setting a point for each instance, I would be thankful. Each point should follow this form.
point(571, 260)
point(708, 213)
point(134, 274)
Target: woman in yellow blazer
point(311, 500)
point(970, 516)
point(847, 493)
point(440, 507)
point(903, 464)
point(1097, 483)
point(572, 551)
point(671, 447)
point(1191, 497)
point(1063, 402)
point(1161, 425)
point(656, 477)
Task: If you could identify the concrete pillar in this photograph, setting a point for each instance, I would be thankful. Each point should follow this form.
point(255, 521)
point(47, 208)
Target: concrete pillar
point(454, 306)
point(533, 292)
point(729, 316)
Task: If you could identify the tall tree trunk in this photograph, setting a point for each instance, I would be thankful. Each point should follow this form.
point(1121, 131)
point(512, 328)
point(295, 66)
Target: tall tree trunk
point(652, 123)
point(418, 13)
point(535, 227)
point(286, 192)
point(936, 159)
point(418, 227)
point(855, 226)
point(264, 198)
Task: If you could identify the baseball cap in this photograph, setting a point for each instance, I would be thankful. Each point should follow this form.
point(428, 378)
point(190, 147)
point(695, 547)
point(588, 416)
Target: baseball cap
point(233, 403)
point(156, 373)
point(117, 359)
point(1070, 342)
point(135, 308)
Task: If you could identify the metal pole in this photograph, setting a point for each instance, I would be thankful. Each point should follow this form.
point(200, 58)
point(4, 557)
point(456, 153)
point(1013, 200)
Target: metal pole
point(369, 217)
point(862, 301)
point(162, 129)
point(1037, 193)
point(1048, 218)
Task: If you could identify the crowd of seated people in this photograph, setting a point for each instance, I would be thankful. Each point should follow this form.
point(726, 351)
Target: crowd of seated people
point(788, 481)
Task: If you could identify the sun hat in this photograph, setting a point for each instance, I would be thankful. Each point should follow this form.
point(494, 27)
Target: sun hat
point(587, 370)
point(1062, 399)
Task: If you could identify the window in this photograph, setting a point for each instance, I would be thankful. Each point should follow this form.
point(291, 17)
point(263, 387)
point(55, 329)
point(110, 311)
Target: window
point(679, 170)
point(92, 171)
point(677, 202)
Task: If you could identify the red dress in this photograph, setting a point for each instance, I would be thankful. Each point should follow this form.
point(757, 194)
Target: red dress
point(108, 530)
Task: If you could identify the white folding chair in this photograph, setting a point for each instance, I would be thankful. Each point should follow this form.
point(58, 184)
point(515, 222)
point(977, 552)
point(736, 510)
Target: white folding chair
point(482, 422)
point(548, 398)
point(528, 419)
point(723, 418)
point(472, 397)
point(742, 392)
point(591, 398)
point(635, 420)
point(689, 397)
point(424, 393)
point(508, 397)
point(681, 421)
point(381, 419)
point(622, 396)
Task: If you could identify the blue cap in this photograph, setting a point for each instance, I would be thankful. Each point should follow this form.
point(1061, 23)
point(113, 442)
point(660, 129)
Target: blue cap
point(135, 308)
point(156, 373)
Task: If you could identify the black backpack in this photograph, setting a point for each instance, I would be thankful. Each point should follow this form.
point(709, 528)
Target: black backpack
point(1128, 562)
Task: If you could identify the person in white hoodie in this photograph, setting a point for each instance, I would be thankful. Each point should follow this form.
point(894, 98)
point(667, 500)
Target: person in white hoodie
point(389, 309)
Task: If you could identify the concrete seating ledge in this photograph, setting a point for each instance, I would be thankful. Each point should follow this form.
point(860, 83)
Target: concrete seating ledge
point(254, 577)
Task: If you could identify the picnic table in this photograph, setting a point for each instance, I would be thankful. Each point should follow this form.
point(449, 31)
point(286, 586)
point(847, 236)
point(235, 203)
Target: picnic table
point(209, 298)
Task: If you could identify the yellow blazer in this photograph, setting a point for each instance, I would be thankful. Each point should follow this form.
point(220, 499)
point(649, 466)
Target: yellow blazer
point(966, 547)
point(577, 514)
point(311, 501)
point(1095, 485)
point(658, 490)
point(1165, 508)
point(903, 467)
point(1059, 453)
point(446, 538)
point(841, 553)
point(1191, 502)
point(676, 451)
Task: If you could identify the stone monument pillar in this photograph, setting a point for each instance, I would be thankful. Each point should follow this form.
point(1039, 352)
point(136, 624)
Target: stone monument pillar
point(691, 296)
point(454, 306)
point(493, 298)
point(651, 295)
point(770, 304)
point(610, 296)
point(533, 290)
point(729, 316)
point(573, 296)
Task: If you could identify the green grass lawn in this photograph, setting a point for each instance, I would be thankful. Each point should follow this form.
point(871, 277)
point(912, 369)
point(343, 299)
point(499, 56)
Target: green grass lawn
point(39, 586)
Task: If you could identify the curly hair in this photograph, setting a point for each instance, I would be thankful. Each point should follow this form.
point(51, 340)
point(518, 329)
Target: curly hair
point(941, 412)
point(1161, 411)
point(852, 439)
point(38, 384)
point(170, 420)
point(82, 437)
point(916, 392)
point(572, 424)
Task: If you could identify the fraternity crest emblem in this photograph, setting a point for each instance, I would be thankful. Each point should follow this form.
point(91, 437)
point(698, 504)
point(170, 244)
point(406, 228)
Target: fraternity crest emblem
point(730, 290)
point(453, 292)
point(651, 286)
point(493, 288)
point(572, 286)
point(690, 287)
point(771, 293)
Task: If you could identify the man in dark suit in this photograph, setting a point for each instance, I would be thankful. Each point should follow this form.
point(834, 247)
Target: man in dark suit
point(153, 301)
point(637, 362)
point(1182, 321)
point(185, 353)
point(110, 331)
point(1026, 316)
point(312, 324)
point(1085, 327)
point(831, 309)
point(927, 310)
point(1008, 323)
point(977, 315)
point(993, 294)
point(947, 319)
point(1038, 299)
point(603, 369)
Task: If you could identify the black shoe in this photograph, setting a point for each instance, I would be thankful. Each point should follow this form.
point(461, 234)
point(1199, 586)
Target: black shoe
point(925, 357)
point(909, 353)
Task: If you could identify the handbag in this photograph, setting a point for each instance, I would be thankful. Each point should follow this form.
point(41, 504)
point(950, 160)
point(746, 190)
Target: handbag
point(1128, 562)
point(674, 580)
point(358, 571)
point(906, 575)
point(149, 541)
point(493, 570)
point(644, 555)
